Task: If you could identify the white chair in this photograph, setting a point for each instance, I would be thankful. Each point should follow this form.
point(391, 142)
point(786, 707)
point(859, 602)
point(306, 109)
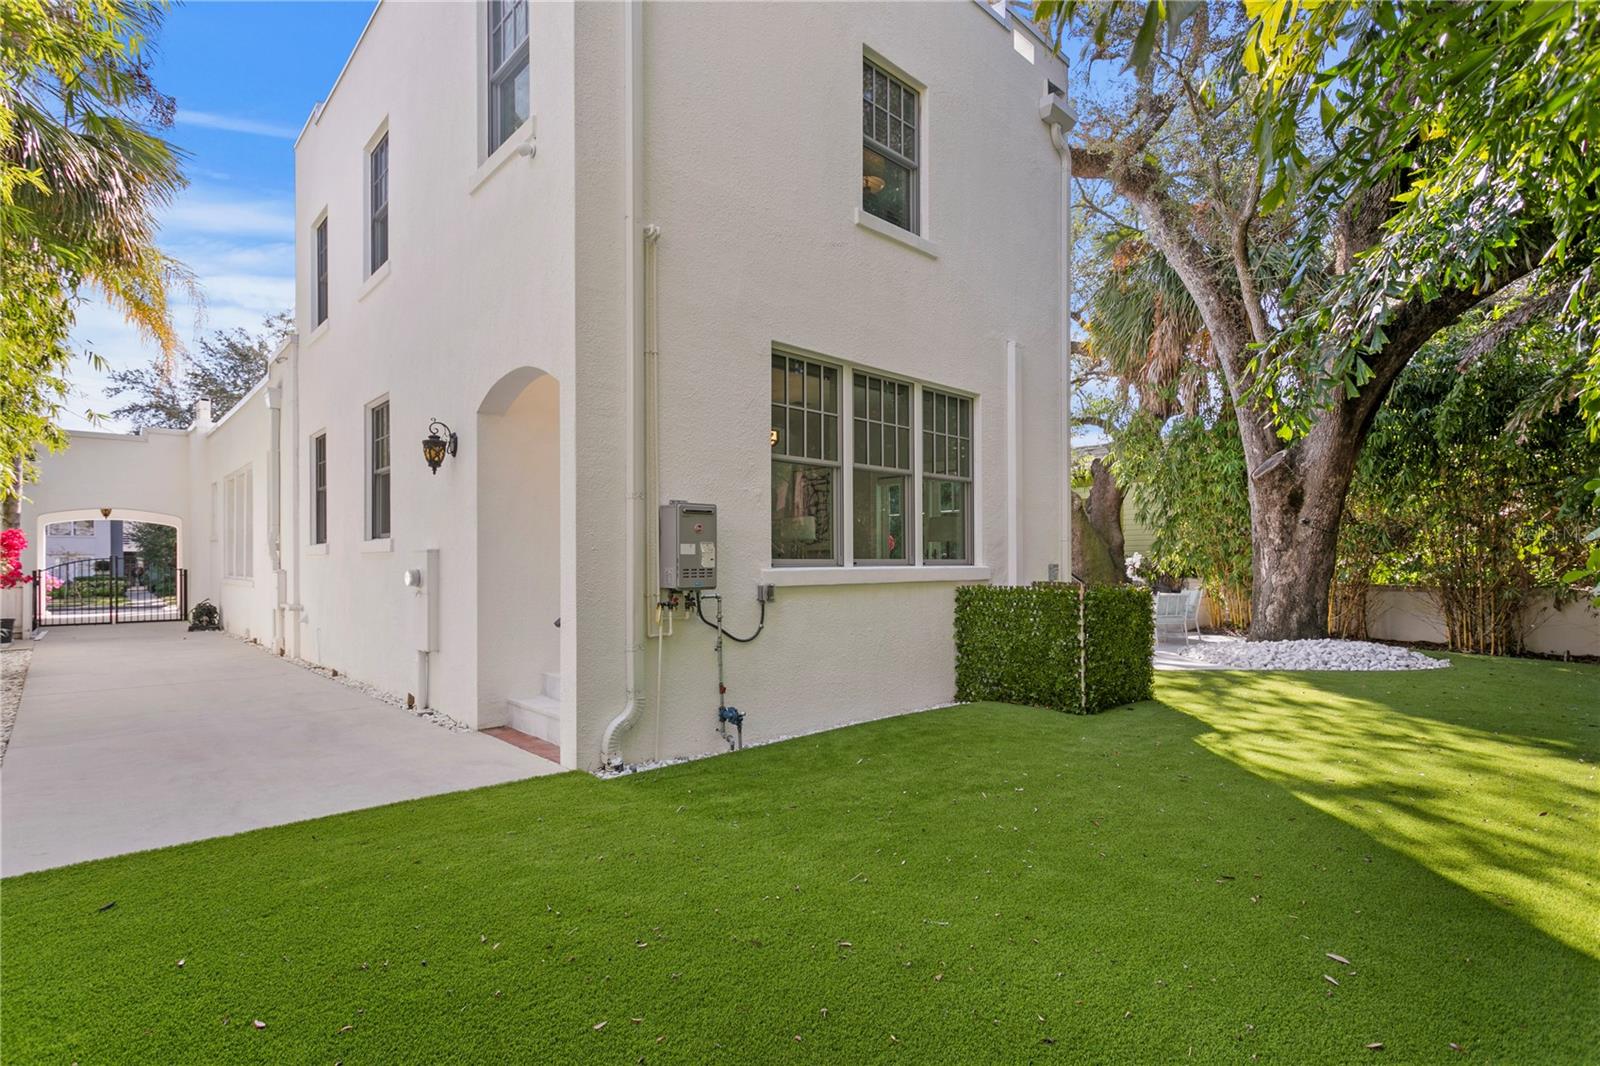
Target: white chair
point(1170, 613)
point(1191, 612)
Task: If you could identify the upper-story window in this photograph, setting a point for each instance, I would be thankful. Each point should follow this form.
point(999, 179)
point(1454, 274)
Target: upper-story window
point(319, 489)
point(378, 175)
point(322, 272)
point(889, 147)
point(508, 69)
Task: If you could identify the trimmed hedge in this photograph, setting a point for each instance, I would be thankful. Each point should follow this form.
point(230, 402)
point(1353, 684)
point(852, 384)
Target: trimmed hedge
point(1020, 645)
point(1119, 662)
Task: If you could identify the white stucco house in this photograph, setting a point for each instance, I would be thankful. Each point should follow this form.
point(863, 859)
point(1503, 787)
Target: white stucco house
point(799, 262)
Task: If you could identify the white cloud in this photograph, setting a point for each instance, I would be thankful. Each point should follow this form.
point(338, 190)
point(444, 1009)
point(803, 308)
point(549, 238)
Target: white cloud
point(235, 124)
point(205, 213)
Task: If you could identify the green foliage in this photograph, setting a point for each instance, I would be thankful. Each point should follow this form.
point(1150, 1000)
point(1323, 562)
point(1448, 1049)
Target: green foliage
point(228, 365)
point(1019, 644)
point(1189, 486)
point(1118, 665)
point(1448, 498)
point(83, 175)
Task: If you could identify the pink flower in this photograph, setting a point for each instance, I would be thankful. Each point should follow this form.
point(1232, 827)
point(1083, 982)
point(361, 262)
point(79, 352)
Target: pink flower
point(12, 541)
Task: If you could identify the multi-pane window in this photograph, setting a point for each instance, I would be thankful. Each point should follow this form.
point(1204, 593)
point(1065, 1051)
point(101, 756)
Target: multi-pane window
point(378, 465)
point(238, 507)
point(947, 477)
point(379, 196)
point(889, 149)
point(881, 474)
point(319, 489)
point(508, 69)
point(322, 272)
point(805, 460)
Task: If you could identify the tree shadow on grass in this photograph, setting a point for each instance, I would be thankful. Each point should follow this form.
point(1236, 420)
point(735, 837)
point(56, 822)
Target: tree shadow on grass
point(1484, 774)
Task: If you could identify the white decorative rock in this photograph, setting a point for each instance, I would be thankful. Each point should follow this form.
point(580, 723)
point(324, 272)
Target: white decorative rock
point(1310, 655)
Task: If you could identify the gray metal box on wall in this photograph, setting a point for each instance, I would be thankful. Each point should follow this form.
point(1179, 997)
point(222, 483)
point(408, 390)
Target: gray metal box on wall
point(688, 545)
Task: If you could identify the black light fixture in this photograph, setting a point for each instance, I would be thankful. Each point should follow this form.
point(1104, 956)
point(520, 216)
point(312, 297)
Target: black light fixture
point(435, 447)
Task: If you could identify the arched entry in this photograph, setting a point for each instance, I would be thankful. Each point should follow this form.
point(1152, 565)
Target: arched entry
point(103, 566)
point(519, 559)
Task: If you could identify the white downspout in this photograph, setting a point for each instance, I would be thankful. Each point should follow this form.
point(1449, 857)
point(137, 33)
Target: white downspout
point(631, 47)
point(1055, 111)
point(294, 607)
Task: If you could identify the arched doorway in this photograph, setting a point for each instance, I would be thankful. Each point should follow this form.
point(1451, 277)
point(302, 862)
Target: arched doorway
point(519, 560)
point(104, 566)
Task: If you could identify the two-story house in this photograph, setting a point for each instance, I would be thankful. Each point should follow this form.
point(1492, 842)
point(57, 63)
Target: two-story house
point(802, 263)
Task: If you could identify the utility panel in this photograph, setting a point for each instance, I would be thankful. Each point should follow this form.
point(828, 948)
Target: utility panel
point(688, 545)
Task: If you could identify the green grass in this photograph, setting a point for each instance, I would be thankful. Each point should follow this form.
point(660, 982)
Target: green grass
point(1156, 884)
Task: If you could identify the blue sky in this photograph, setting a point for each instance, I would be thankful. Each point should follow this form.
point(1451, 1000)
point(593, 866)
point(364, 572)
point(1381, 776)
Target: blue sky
point(245, 77)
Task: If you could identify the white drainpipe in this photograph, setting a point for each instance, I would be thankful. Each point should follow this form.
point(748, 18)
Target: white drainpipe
point(274, 510)
point(1056, 112)
point(632, 30)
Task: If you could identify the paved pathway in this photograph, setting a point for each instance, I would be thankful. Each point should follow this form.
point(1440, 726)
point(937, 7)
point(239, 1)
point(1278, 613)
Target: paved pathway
point(139, 736)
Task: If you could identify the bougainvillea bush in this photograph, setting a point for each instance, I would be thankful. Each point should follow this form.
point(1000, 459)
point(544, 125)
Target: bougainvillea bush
point(12, 541)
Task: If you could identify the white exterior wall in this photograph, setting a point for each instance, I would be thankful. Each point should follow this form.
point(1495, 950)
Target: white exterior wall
point(478, 284)
point(752, 171)
point(241, 440)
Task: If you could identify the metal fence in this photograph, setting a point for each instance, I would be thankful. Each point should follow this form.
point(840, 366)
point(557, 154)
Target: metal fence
point(108, 591)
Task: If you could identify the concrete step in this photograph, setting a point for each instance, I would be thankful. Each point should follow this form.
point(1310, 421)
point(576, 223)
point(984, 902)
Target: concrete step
point(537, 716)
point(552, 686)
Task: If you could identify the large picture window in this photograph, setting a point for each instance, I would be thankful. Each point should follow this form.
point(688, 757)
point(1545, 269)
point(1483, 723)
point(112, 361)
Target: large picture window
point(908, 448)
point(805, 460)
point(508, 69)
point(889, 147)
point(378, 471)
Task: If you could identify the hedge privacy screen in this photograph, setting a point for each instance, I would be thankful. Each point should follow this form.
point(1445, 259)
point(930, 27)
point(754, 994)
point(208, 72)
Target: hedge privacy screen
point(1020, 645)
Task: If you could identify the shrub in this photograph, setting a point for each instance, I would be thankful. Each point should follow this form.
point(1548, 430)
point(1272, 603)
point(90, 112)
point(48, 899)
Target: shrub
point(1020, 645)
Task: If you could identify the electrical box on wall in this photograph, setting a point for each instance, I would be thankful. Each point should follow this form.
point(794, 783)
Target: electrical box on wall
point(688, 546)
point(422, 578)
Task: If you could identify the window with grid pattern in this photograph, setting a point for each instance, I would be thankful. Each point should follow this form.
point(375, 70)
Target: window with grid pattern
point(380, 205)
point(508, 69)
point(805, 460)
point(947, 477)
point(378, 457)
point(238, 557)
point(881, 475)
point(889, 154)
point(322, 272)
point(319, 489)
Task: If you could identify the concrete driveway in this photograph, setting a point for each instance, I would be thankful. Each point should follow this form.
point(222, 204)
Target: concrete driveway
point(139, 736)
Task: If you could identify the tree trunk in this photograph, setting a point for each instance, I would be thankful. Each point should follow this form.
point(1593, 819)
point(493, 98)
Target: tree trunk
point(1105, 512)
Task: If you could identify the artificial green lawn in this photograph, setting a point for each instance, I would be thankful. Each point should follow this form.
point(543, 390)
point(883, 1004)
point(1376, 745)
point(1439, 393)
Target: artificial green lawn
point(1163, 882)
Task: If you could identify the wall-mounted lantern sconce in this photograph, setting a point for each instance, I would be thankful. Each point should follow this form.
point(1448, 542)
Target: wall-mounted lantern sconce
point(435, 447)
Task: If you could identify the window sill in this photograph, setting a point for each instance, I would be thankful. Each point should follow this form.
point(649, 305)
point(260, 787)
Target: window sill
point(377, 547)
point(317, 334)
point(243, 582)
point(316, 549)
point(896, 234)
point(523, 135)
point(374, 279)
point(803, 576)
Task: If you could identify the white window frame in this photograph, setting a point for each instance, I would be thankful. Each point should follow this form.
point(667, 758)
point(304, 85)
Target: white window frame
point(238, 541)
point(915, 567)
point(373, 209)
point(321, 272)
point(519, 57)
point(918, 165)
point(370, 532)
point(319, 492)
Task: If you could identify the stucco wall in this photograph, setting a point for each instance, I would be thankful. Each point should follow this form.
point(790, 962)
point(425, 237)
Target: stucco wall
point(1412, 614)
point(240, 440)
point(479, 283)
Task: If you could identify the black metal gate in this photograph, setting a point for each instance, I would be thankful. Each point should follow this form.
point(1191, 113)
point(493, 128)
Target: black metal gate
point(96, 592)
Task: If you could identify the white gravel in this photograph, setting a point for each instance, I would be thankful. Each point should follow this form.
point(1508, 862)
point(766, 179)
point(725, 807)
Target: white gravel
point(1310, 655)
